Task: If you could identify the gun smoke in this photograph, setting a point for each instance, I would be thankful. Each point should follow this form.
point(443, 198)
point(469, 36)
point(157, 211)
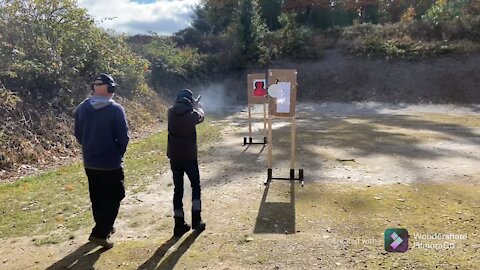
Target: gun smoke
point(215, 98)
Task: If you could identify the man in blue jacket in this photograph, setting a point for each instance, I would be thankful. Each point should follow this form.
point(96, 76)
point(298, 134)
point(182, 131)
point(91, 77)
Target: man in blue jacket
point(101, 128)
point(183, 117)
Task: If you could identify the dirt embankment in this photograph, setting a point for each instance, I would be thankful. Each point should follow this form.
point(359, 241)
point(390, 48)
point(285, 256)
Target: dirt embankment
point(339, 76)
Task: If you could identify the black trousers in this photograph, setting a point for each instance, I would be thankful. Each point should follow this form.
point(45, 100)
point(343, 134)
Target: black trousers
point(106, 192)
point(179, 168)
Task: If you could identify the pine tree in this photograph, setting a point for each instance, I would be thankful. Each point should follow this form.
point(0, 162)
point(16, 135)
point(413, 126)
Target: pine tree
point(251, 31)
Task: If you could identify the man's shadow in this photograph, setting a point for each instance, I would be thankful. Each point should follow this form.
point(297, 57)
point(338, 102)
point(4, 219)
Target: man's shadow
point(80, 258)
point(171, 260)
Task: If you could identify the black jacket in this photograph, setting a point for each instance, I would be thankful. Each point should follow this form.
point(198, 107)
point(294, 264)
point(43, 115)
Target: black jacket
point(182, 133)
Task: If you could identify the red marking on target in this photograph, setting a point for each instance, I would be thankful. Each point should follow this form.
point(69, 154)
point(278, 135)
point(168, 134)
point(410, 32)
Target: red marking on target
point(259, 88)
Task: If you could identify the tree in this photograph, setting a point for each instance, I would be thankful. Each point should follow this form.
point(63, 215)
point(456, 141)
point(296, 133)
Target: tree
point(306, 10)
point(397, 8)
point(444, 10)
point(293, 36)
point(51, 49)
point(473, 7)
point(367, 10)
point(409, 15)
point(251, 31)
point(214, 16)
point(171, 65)
point(270, 13)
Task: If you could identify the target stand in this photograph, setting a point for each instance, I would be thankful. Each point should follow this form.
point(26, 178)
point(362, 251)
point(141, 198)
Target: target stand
point(249, 140)
point(256, 92)
point(282, 87)
point(292, 176)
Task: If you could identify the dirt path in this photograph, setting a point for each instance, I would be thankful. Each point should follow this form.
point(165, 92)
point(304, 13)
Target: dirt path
point(335, 222)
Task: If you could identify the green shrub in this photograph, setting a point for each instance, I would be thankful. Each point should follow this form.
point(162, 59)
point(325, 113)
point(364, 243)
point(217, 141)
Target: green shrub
point(66, 51)
point(49, 52)
point(171, 65)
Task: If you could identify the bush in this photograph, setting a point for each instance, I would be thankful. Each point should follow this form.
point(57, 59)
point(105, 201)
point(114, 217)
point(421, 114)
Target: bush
point(415, 39)
point(49, 52)
point(172, 66)
point(68, 50)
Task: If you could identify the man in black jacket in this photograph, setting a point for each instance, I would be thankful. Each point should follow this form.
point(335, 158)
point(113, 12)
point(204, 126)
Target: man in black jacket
point(183, 117)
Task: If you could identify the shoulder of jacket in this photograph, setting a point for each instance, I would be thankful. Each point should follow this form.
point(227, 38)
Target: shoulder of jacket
point(117, 106)
point(82, 104)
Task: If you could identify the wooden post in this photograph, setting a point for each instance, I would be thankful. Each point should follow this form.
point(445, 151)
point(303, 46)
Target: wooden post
point(269, 142)
point(249, 121)
point(264, 119)
point(293, 144)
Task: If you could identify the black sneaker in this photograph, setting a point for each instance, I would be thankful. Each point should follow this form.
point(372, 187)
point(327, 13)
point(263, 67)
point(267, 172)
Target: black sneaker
point(197, 223)
point(106, 243)
point(181, 227)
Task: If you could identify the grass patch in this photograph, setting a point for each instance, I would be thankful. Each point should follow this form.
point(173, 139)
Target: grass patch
point(364, 213)
point(59, 199)
point(52, 239)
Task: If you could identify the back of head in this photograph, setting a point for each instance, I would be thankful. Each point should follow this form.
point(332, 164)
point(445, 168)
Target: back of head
point(185, 94)
point(104, 80)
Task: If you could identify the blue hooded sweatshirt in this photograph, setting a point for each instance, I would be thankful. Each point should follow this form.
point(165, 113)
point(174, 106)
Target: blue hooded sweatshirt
point(102, 130)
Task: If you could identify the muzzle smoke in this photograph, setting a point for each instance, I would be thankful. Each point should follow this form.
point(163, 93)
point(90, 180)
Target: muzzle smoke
point(215, 98)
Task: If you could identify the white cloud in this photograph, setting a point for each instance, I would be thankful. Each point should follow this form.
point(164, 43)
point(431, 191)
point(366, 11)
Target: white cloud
point(161, 16)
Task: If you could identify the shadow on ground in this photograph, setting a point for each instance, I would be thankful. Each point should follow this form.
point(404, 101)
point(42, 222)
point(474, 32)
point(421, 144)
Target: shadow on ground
point(276, 217)
point(81, 258)
point(163, 260)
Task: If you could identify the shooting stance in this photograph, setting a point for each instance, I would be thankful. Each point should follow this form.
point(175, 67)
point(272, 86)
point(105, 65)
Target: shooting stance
point(101, 128)
point(183, 117)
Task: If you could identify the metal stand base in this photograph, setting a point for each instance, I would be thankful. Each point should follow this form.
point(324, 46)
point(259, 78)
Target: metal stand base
point(292, 176)
point(250, 141)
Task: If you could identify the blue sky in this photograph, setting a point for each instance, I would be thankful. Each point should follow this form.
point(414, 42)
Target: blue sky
point(141, 16)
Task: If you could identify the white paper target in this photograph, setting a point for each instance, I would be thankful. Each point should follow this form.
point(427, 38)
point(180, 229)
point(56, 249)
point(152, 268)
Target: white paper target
point(281, 91)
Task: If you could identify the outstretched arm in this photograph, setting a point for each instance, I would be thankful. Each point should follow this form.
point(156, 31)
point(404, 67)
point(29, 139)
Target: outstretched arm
point(199, 113)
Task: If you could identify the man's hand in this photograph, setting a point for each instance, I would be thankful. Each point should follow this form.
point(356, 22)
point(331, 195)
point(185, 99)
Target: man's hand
point(198, 105)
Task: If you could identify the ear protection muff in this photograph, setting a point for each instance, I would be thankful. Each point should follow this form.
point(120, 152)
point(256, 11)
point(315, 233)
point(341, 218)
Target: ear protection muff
point(107, 79)
point(110, 88)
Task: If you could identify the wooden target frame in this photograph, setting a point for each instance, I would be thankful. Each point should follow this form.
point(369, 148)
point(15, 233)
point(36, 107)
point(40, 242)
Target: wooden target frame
point(287, 111)
point(252, 80)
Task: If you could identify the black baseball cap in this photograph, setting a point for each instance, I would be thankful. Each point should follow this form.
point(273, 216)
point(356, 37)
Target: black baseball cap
point(106, 79)
point(185, 93)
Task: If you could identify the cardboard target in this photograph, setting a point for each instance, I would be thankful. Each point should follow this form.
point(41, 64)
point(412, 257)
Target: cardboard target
point(257, 88)
point(282, 90)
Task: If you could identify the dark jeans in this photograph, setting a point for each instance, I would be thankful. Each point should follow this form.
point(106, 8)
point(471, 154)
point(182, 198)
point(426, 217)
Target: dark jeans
point(106, 192)
point(191, 169)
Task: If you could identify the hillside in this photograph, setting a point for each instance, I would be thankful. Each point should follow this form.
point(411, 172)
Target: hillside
point(341, 76)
